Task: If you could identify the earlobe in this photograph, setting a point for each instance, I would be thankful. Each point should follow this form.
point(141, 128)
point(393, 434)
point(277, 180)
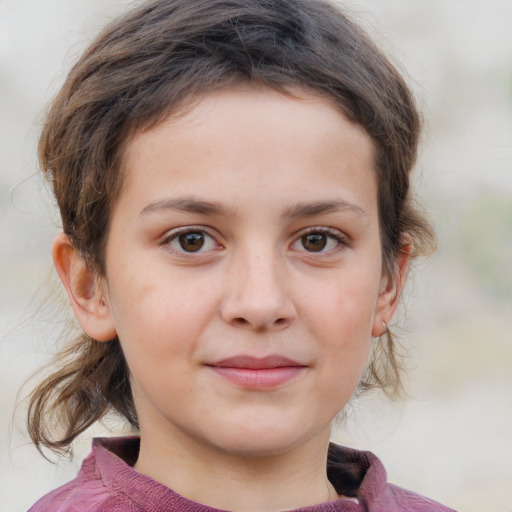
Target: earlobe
point(85, 290)
point(391, 288)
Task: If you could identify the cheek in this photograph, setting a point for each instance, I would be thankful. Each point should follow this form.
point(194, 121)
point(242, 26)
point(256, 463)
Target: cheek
point(342, 307)
point(157, 314)
point(340, 316)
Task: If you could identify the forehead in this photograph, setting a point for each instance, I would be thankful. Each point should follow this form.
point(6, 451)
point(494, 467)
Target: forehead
point(254, 136)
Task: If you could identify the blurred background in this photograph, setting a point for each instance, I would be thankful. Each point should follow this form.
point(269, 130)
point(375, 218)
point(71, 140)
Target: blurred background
point(452, 439)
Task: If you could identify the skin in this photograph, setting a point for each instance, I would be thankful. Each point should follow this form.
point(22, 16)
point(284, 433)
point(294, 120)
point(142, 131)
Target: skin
point(279, 196)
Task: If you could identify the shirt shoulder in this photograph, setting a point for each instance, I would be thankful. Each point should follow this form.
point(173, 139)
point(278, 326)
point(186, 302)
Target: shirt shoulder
point(107, 482)
point(408, 501)
point(85, 493)
point(362, 474)
point(69, 498)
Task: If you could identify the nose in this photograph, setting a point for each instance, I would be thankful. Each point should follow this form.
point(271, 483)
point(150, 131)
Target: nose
point(257, 296)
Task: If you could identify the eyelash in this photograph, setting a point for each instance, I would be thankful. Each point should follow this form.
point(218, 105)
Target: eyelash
point(341, 240)
point(175, 235)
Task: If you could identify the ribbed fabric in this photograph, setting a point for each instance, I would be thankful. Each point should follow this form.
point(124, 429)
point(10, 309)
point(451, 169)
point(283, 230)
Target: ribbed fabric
point(107, 482)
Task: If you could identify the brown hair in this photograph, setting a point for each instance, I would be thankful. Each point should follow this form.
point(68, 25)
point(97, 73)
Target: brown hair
point(147, 65)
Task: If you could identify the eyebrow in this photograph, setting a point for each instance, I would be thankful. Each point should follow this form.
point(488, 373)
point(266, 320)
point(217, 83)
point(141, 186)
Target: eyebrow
point(302, 209)
point(189, 205)
point(314, 208)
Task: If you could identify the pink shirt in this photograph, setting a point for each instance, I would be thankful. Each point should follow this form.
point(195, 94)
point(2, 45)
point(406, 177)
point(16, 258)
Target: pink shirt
point(107, 482)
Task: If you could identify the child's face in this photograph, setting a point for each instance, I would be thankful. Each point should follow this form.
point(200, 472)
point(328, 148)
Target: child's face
point(243, 270)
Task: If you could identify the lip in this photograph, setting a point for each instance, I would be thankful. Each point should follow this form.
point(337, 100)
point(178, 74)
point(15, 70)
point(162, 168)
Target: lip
point(258, 373)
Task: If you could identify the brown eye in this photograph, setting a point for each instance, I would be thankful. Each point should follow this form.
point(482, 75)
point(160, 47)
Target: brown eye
point(314, 242)
point(321, 240)
point(191, 242)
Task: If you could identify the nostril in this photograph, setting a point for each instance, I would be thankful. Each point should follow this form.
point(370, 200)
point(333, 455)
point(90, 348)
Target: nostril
point(243, 322)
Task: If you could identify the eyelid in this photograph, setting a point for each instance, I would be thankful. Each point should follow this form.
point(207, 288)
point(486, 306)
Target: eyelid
point(173, 234)
point(322, 229)
point(342, 239)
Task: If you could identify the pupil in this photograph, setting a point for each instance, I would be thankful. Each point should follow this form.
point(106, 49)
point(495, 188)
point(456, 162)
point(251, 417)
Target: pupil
point(316, 242)
point(191, 242)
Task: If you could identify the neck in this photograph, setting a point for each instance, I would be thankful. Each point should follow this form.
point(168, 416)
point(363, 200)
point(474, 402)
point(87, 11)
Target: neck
point(241, 483)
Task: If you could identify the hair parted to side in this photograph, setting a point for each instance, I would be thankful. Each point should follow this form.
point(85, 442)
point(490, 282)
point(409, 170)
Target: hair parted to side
point(151, 63)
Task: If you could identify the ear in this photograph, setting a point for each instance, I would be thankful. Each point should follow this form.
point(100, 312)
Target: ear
point(391, 288)
point(85, 290)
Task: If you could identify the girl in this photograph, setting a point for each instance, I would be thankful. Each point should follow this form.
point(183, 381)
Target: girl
point(233, 181)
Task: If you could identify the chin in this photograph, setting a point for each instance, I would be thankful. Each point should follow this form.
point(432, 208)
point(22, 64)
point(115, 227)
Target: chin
point(261, 448)
point(272, 440)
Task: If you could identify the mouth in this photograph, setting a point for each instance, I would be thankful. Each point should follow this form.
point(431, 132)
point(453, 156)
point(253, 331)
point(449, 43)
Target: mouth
point(258, 373)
